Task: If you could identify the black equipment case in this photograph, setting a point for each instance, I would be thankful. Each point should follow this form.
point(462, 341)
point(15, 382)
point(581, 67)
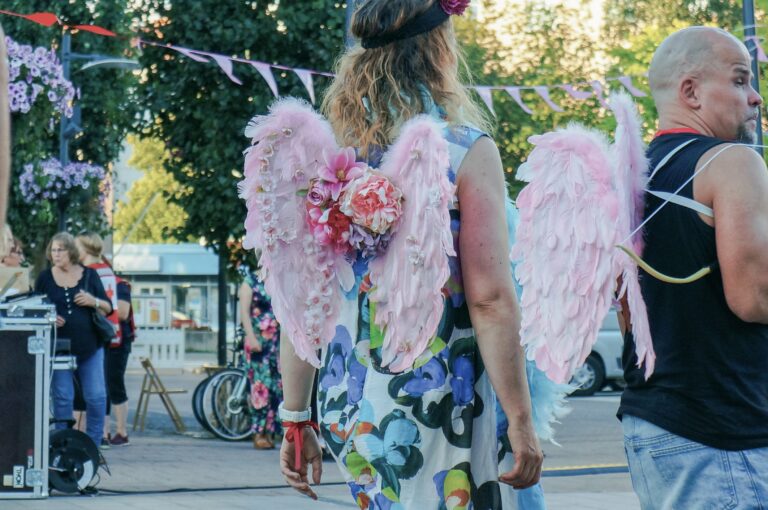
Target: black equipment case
point(26, 331)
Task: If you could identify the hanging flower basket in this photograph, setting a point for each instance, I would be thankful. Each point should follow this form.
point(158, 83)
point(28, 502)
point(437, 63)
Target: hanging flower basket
point(35, 74)
point(49, 180)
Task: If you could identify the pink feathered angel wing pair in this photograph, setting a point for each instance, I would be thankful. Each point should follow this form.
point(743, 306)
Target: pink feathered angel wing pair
point(306, 280)
point(584, 197)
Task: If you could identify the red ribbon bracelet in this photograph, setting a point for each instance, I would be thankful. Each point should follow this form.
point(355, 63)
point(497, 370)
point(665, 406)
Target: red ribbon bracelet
point(293, 435)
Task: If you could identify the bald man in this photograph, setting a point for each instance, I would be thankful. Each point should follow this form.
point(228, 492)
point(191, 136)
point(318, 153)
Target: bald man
point(696, 432)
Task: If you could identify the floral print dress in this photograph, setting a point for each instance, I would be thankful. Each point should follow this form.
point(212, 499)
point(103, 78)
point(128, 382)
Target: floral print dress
point(263, 367)
point(425, 438)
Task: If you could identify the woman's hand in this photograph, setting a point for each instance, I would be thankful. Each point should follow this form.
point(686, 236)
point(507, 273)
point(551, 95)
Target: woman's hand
point(84, 298)
point(252, 343)
point(60, 321)
point(311, 454)
point(528, 456)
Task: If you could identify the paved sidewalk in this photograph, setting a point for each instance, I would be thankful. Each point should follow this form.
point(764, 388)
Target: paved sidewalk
point(168, 471)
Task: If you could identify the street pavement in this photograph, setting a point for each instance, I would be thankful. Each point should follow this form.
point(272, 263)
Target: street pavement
point(162, 469)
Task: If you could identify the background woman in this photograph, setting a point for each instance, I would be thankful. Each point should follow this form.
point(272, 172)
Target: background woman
point(76, 291)
point(423, 438)
point(117, 360)
point(91, 248)
point(262, 348)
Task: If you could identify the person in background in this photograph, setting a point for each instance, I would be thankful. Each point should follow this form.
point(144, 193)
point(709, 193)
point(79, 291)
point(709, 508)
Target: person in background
point(76, 291)
point(117, 359)
point(262, 348)
point(91, 248)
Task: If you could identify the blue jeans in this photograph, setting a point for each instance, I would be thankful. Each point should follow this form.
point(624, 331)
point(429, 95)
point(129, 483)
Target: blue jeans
point(670, 472)
point(91, 374)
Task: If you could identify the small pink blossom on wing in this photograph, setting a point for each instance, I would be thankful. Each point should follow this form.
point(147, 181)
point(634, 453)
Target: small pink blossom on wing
point(456, 7)
point(340, 168)
point(373, 202)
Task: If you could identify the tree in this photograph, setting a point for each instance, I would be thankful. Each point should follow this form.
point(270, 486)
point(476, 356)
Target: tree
point(108, 106)
point(148, 216)
point(531, 44)
point(200, 114)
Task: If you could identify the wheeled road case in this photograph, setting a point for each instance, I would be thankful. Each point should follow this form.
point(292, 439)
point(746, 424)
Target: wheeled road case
point(26, 330)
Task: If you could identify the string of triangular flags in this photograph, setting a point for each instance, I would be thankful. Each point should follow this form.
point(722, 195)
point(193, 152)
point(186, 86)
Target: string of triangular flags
point(578, 90)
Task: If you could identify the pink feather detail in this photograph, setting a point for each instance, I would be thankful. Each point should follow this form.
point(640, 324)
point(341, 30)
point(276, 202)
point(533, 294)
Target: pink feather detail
point(408, 279)
point(583, 198)
point(565, 243)
point(631, 181)
point(301, 277)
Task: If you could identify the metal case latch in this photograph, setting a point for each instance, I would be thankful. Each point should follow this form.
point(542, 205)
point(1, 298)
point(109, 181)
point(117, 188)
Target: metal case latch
point(36, 345)
point(16, 311)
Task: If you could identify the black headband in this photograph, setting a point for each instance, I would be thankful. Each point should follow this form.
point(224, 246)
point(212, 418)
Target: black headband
point(426, 21)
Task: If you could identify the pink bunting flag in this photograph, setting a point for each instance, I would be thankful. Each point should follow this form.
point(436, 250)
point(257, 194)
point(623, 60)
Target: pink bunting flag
point(306, 78)
point(599, 93)
point(225, 63)
point(544, 93)
point(576, 94)
point(627, 82)
point(189, 53)
point(265, 70)
point(761, 57)
point(515, 93)
point(485, 95)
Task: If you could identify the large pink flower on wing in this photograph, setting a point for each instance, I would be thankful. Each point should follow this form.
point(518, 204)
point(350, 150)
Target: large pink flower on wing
point(340, 168)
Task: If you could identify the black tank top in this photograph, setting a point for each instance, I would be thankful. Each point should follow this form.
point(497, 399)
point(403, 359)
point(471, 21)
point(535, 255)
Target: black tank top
point(710, 384)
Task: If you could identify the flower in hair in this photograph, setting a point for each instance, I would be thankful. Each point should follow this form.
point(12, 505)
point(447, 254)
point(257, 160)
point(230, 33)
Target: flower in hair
point(456, 7)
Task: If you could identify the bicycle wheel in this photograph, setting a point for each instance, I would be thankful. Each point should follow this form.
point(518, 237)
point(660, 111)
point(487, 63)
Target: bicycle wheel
point(230, 392)
point(199, 404)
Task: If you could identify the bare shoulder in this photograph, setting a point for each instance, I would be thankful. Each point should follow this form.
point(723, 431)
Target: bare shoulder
point(482, 161)
point(731, 169)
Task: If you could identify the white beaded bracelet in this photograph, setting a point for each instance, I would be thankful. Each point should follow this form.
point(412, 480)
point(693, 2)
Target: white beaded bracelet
point(293, 416)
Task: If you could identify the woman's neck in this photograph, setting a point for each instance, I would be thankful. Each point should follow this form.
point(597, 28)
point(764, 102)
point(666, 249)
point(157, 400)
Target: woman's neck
point(90, 259)
point(66, 267)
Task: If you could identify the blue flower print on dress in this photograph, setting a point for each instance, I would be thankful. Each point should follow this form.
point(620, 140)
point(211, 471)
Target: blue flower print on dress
point(463, 381)
point(333, 373)
point(356, 382)
point(425, 378)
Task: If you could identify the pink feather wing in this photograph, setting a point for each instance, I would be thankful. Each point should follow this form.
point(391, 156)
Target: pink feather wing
point(298, 274)
point(631, 181)
point(565, 245)
point(408, 279)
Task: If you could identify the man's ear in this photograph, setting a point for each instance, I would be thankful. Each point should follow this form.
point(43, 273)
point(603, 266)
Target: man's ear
point(689, 93)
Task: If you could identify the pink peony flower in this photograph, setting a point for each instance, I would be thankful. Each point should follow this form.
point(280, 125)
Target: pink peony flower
point(456, 7)
point(373, 202)
point(259, 395)
point(340, 168)
point(319, 193)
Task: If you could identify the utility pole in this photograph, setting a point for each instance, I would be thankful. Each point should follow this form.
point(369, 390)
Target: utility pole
point(66, 50)
point(748, 17)
point(348, 39)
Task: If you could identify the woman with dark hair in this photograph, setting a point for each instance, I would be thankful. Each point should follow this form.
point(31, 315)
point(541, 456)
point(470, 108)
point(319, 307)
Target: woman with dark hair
point(407, 410)
point(76, 291)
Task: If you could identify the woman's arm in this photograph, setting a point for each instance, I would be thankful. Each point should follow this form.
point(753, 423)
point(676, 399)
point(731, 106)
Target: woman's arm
point(493, 308)
point(94, 296)
point(298, 377)
point(246, 296)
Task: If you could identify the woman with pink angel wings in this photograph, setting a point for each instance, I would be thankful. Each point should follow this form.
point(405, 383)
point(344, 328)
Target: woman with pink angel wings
point(387, 263)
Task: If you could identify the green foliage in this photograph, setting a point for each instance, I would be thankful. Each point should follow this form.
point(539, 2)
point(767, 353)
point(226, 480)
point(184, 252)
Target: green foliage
point(148, 216)
point(531, 44)
point(108, 108)
point(199, 114)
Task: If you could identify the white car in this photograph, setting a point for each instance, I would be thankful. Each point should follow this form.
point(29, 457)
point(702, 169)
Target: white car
point(603, 365)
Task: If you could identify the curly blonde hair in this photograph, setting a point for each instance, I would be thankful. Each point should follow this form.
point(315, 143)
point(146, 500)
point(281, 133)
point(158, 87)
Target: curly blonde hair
point(376, 90)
